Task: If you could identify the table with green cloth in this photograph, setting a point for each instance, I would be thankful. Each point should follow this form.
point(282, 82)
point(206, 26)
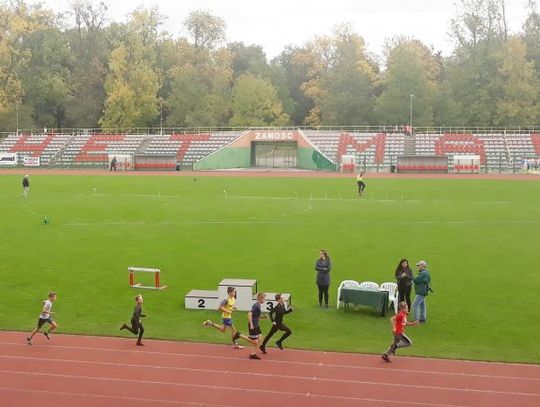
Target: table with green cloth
point(370, 298)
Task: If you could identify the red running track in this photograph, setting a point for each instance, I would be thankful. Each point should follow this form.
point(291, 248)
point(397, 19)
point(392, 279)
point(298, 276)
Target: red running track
point(96, 371)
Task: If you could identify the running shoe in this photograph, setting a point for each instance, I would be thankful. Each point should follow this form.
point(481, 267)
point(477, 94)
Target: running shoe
point(29, 341)
point(385, 357)
point(207, 323)
point(254, 356)
point(47, 335)
point(236, 336)
point(236, 346)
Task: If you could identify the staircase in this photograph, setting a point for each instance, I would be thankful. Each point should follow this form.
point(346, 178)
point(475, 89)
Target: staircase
point(410, 145)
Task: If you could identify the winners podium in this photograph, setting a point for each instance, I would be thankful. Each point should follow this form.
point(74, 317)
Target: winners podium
point(246, 296)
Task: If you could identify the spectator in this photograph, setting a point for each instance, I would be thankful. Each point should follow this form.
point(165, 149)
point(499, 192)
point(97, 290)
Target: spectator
point(114, 163)
point(404, 277)
point(421, 288)
point(323, 267)
point(26, 186)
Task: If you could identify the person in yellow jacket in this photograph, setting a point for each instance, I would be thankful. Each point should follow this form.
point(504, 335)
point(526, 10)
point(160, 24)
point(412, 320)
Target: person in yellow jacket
point(360, 182)
point(226, 307)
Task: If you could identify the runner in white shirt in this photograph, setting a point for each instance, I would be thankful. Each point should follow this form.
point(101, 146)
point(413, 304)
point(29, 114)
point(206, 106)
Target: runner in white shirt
point(45, 317)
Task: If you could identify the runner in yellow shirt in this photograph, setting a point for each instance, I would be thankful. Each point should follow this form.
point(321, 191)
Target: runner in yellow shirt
point(360, 182)
point(226, 307)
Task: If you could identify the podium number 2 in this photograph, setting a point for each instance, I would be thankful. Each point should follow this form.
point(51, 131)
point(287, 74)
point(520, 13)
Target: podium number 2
point(201, 303)
point(269, 306)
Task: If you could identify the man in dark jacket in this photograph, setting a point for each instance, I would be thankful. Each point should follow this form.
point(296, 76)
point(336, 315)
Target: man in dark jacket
point(421, 288)
point(26, 186)
point(276, 316)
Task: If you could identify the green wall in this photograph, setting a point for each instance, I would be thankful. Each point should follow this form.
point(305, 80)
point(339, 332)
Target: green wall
point(240, 157)
point(229, 157)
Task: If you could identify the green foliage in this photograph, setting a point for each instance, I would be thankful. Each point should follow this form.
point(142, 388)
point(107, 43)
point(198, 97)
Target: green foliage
point(80, 69)
point(255, 103)
point(480, 238)
point(412, 69)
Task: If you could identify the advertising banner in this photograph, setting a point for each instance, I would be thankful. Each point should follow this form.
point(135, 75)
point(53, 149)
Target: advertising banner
point(8, 159)
point(31, 161)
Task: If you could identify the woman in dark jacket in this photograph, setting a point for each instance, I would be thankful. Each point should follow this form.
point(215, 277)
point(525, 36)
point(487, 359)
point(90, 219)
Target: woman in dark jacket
point(323, 267)
point(404, 277)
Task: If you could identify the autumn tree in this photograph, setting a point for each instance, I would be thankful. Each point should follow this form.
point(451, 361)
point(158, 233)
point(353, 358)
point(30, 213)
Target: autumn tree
point(255, 103)
point(411, 69)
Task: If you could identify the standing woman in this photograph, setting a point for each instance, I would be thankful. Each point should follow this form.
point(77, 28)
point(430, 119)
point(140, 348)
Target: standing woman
point(404, 277)
point(323, 267)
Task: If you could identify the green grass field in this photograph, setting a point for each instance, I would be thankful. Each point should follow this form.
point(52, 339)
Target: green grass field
point(480, 238)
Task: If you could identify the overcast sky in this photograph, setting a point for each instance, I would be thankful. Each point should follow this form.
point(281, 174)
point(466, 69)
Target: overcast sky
point(273, 24)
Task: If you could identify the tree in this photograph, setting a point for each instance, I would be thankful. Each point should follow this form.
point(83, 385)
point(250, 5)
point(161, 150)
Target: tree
point(248, 59)
point(519, 100)
point(291, 69)
point(200, 85)
point(133, 74)
point(531, 36)
point(412, 69)
point(341, 80)
point(255, 103)
point(205, 29)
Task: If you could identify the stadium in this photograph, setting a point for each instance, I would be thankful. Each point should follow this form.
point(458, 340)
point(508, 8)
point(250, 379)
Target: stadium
point(193, 221)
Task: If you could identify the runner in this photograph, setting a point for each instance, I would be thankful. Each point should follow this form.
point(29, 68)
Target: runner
point(45, 318)
point(226, 307)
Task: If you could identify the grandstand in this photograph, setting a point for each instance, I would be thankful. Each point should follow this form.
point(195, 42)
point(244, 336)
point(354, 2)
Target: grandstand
point(373, 150)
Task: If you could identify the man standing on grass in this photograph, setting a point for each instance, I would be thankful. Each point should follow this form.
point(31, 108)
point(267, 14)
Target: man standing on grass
point(26, 186)
point(421, 288)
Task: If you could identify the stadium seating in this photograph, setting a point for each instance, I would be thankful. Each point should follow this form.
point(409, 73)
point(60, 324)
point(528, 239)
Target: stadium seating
point(370, 149)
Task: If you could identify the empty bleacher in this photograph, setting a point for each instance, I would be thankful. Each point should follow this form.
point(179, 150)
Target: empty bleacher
point(372, 149)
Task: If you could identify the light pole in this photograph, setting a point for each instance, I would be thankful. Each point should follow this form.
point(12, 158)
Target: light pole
point(161, 116)
point(17, 115)
point(410, 112)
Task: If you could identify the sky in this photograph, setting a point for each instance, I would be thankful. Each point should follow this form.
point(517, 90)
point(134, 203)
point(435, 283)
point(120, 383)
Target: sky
point(274, 24)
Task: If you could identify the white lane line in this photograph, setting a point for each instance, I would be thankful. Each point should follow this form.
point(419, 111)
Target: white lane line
point(249, 374)
point(285, 222)
point(286, 362)
point(311, 352)
point(105, 396)
point(221, 388)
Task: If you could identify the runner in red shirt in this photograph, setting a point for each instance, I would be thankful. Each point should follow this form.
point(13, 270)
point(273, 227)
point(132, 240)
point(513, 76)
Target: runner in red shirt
point(399, 322)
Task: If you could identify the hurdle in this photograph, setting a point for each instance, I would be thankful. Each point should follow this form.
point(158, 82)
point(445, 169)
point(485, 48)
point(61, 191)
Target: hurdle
point(133, 284)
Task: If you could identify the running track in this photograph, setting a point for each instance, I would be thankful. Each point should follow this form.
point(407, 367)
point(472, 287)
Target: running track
point(87, 371)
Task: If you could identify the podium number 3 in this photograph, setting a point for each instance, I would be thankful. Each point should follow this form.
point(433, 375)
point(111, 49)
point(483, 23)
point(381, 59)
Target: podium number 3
point(269, 306)
point(201, 303)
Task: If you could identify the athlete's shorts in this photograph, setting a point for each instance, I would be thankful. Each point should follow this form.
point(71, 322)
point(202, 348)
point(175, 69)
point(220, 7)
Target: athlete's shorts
point(227, 322)
point(255, 332)
point(42, 322)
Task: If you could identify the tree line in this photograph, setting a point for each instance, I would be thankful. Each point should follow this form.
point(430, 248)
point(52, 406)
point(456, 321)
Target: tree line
point(78, 70)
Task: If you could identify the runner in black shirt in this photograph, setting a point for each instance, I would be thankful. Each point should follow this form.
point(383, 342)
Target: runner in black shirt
point(136, 324)
point(276, 316)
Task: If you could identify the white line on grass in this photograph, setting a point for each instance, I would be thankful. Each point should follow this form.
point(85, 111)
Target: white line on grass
point(286, 222)
point(131, 195)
